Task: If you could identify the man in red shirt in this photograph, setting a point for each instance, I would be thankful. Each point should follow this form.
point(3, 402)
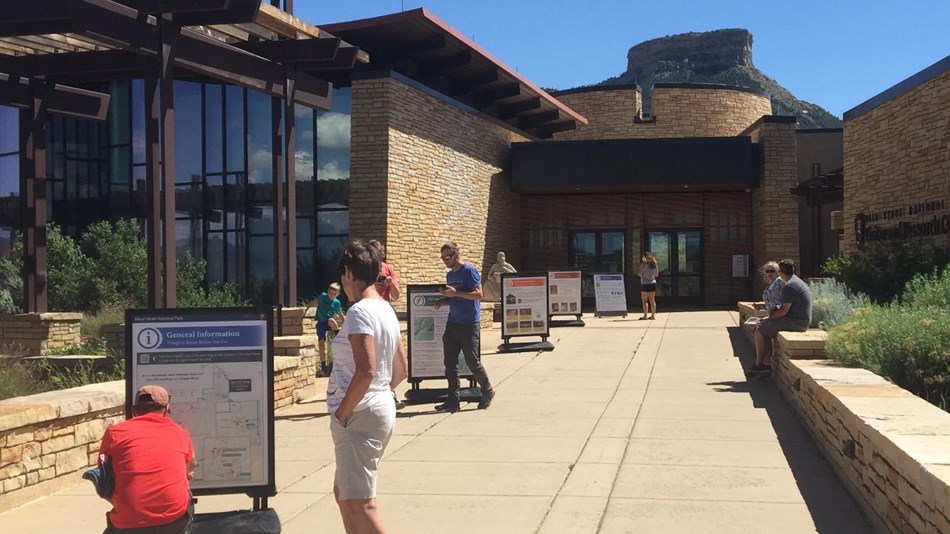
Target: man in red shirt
point(387, 284)
point(152, 460)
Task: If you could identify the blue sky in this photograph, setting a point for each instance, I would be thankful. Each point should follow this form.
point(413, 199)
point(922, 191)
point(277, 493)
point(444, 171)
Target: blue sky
point(834, 53)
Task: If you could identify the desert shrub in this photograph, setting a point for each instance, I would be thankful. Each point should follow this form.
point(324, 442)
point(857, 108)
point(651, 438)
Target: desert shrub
point(7, 306)
point(17, 379)
point(191, 293)
point(81, 373)
point(908, 345)
point(832, 302)
point(929, 290)
point(120, 263)
point(881, 270)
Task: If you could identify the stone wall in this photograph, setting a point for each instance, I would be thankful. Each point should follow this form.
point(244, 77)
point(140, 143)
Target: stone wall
point(38, 334)
point(426, 170)
point(679, 110)
point(897, 162)
point(611, 112)
point(774, 207)
point(889, 447)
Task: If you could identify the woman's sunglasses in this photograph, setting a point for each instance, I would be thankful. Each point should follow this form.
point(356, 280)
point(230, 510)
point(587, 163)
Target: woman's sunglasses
point(769, 271)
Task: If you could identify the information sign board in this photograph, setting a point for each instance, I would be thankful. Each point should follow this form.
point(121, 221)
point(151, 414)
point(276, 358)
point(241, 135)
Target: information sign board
point(426, 326)
point(524, 304)
point(217, 364)
point(740, 265)
point(564, 293)
point(609, 293)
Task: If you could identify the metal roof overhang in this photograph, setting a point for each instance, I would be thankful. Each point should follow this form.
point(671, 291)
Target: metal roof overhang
point(242, 42)
point(691, 164)
point(422, 47)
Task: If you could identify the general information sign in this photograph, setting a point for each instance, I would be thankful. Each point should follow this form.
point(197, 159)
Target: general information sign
point(564, 293)
point(524, 303)
point(217, 365)
point(609, 293)
point(426, 326)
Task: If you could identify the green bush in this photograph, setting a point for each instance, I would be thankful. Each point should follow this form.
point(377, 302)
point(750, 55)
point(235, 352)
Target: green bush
point(832, 302)
point(17, 379)
point(929, 290)
point(882, 270)
point(7, 306)
point(120, 263)
point(191, 294)
point(908, 345)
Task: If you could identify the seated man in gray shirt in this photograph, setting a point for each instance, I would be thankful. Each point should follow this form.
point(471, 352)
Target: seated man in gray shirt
point(793, 316)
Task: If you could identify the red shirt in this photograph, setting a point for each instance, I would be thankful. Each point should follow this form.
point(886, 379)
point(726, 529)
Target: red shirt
point(386, 269)
point(149, 453)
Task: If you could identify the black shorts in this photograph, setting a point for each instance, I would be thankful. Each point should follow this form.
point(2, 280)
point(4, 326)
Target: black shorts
point(648, 288)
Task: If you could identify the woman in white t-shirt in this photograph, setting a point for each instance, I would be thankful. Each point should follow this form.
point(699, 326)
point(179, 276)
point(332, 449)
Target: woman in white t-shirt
point(368, 360)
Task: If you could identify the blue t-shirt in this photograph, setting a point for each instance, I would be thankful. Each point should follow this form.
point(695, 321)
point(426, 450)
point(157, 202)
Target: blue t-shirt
point(464, 310)
point(327, 307)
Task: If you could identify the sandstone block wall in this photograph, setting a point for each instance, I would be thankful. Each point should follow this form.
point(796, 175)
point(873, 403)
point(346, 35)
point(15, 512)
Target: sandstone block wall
point(897, 157)
point(611, 112)
point(38, 334)
point(424, 171)
point(697, 111)
point(775, 208)
point(887, 446)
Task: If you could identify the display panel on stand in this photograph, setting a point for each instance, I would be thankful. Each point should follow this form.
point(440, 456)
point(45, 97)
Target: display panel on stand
point(610, 297)
point(524, 305)
point(564, 293)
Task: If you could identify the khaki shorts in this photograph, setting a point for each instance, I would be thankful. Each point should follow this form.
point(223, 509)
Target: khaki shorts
point(771, 328)
point(359, 447)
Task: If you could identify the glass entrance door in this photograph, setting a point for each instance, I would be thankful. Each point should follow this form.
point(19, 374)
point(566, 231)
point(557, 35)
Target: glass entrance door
point(599, 251)
point(679, 257)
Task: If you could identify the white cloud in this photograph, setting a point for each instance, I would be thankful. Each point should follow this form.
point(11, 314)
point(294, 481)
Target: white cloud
point(332, 171)
point(333, 130)
point(304, 163)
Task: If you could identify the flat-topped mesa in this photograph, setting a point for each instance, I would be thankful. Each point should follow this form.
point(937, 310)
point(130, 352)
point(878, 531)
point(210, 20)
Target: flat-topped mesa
point(697, 52)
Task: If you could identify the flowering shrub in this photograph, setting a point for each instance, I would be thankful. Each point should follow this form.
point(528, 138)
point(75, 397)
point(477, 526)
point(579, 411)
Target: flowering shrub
point(832, 302)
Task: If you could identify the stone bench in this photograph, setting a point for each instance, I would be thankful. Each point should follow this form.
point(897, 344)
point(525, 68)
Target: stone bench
point(808, 345)
point(890, 448)
point(746, 310)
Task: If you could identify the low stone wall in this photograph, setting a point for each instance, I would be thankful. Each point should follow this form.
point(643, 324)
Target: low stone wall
point(746, 310)
point(890, 448)
point(47, 440)
point(38, 334)
point(295, 321)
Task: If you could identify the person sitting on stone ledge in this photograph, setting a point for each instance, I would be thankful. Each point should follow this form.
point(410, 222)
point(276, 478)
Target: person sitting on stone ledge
point(794, 315)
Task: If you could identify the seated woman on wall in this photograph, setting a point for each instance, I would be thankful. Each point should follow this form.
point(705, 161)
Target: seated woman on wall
point(772, 296)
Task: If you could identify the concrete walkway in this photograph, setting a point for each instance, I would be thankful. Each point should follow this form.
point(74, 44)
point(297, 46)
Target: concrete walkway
point(627, 426)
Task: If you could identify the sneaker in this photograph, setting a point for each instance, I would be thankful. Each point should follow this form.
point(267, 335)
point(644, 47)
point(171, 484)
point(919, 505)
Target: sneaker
point(765, 372)
point(399, 404)
point(486, 399)
point(447, 407)
point(755, 370)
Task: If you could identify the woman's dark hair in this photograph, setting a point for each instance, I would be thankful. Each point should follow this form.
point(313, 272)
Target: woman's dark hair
point(379, 246)
point(362, 259)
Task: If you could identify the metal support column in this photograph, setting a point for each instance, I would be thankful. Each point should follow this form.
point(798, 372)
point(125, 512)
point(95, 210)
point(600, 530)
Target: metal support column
point(277, 164)
point(168, 36)
point(290, 171)
point(153, 187)
point(33, 200)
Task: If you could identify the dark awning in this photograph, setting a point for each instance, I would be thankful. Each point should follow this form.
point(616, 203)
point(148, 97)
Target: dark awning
point(420, 46)
point(630, 165)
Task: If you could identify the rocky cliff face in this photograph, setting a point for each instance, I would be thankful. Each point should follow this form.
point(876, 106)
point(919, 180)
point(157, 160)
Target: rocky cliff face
point(721, 56)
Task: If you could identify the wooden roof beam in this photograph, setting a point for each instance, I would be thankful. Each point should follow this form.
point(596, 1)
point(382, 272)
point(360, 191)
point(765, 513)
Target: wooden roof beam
point(528, 122)
point(546, 131)
point(510, 111)
point(435, 67)
point(283, 23)
point(487, 98)
point(60, 99)
point(294, 50)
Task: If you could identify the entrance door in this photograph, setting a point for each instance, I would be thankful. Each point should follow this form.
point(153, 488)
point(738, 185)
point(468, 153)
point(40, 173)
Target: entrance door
point(679, 257)
point(599, 251)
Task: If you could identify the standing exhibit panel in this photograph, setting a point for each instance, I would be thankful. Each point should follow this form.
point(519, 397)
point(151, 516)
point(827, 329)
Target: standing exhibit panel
point(426, 324)
point(524, 310)
point(610, 297)
point(564, 297)
point(217, 365)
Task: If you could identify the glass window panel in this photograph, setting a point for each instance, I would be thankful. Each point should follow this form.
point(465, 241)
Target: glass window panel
point(212, 130)
point(120, 166)
point(333, 151)
point(688, 286)
point(215, 257)
point(189, 199)
point(187, 131)
point(334, 194)
point(260, 220)
point(328, 253)
point(690, 252)
point(659, 244)
point(118, 120)
point(215, 202)
point(235, 127)
point(6, 240)
point(259, 138)
point(236, 256)
point(611, 252)
point(304, 232)
point(307, 274)
point(9, 175)
point(188, 234)
point(9, 129)
point(138, 121)
point(333, 222)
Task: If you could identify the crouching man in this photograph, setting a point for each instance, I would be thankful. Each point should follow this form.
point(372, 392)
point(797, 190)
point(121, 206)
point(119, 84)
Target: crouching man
point(152, 461)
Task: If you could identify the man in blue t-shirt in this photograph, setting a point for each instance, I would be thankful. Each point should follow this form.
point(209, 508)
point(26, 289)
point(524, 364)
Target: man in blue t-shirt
point(463, 292)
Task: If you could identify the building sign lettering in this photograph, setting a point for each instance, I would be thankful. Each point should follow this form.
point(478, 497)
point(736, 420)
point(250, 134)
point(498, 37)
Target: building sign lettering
point(866, 231)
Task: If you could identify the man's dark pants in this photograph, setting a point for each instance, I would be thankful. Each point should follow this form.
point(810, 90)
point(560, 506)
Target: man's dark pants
point(465, 338)
point(182, 525)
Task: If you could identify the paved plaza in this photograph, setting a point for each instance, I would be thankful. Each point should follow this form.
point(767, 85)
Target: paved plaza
point(627, 426)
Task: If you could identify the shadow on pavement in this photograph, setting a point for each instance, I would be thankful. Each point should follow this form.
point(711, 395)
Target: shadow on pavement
point(820, 487)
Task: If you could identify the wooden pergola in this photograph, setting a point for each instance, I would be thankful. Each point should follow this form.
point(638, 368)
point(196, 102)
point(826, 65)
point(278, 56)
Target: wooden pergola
point(47, 43)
